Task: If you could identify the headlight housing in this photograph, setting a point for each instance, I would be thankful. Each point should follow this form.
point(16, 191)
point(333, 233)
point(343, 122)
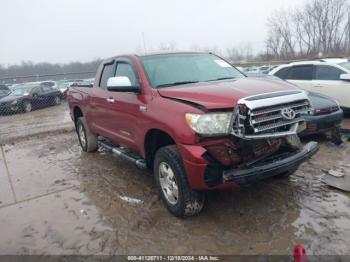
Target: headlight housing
point(210, 123)
point(14, 102)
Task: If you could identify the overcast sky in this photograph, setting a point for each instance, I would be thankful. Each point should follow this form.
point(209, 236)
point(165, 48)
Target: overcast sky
point(82, 30)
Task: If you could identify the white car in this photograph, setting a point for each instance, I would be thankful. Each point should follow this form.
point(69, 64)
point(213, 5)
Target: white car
point(326, 76)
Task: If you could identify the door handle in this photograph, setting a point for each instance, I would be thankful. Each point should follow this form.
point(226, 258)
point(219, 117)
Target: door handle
point(110, 100)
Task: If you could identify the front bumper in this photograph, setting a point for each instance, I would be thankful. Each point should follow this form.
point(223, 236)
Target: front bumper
point(203, 174)
point(8, 108)
point(273, 166)
point(322, 123)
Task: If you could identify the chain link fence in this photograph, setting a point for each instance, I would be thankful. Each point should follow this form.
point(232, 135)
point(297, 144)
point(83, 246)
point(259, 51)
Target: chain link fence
point(23, 94)
point(35, 104)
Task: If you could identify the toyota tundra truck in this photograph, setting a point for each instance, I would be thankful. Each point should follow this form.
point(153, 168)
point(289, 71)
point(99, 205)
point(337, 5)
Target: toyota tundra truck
point(193, 119)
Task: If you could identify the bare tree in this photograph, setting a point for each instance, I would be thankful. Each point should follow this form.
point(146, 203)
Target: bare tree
point(170, 46)
point(317, 26)
point(281, 37)
point(242, 53)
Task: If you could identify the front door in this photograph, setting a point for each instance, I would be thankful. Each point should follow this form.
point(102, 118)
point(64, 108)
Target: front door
point(38, 97)
point(128, 106)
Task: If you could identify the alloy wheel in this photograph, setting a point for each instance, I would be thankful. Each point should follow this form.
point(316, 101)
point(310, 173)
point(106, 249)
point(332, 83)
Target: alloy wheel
point(168, 183)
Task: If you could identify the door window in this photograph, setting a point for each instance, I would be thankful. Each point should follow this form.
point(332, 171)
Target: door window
point(37, 91)
point(300, 73)
point(108, 72)
point(282, 72)
point(125, 69)
point(325, 72)
point(46, 89)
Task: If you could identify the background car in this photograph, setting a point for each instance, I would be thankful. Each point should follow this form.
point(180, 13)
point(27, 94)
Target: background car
point(49, 83)
point(88, 81)
point(27, 97)
point(63, 85)
point(326, 115)
point(330, 77)
point(4, 90)
point(265, 69)
point(261, 75)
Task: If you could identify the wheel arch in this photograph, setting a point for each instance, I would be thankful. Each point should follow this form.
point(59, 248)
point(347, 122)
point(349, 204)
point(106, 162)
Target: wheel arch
point(155, 138)
point(23, 101)
point(77, 112)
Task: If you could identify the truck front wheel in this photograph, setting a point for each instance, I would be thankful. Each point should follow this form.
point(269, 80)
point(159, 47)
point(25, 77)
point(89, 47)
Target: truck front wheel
point(87, 140)
point(171, 179)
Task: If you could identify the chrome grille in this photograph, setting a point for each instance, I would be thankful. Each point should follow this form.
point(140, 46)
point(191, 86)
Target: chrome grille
point(262, 118)
point(271, 118)
point(296, 105)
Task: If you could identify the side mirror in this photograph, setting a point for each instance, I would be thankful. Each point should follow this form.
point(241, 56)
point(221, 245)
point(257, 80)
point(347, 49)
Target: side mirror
point(121, 84)
point(345, 77)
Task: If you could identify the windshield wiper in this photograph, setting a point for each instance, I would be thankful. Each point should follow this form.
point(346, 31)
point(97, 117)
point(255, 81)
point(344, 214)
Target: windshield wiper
point(221, 78)
point(177, 83)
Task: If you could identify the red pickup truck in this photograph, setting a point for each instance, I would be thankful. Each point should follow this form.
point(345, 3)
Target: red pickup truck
point(195, 120)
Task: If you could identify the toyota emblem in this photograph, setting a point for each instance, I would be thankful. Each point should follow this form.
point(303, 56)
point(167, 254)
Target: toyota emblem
point(288, 113)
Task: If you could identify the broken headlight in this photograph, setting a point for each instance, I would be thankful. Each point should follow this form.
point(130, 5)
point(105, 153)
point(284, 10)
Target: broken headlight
point(210, 123)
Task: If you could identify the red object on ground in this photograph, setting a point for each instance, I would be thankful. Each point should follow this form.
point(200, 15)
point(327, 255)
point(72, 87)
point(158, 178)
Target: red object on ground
point(299, 253)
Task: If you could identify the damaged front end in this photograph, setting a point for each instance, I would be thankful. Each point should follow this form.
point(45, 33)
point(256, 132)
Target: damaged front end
point(245, 161)
point(270, 115)
point(263, 140)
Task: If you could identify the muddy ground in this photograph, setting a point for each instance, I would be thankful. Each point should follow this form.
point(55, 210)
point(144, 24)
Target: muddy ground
point(42, 120)
point(54, 199)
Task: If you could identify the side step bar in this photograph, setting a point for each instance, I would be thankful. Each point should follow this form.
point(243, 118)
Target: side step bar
point(124, 153)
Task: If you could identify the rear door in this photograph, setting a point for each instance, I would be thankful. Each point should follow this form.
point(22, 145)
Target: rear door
point(99, 101)
point(327, 81)
point(301, 75)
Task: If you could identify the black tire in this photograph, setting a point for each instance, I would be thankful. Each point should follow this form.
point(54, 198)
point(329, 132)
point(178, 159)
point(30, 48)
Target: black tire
point(336, 136)
point(87, 140)
point(26, 107)
point(56, 100)
point(189, 202)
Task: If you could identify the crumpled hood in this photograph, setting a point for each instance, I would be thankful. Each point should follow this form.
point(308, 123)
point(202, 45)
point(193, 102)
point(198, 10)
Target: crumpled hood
point(224, 94)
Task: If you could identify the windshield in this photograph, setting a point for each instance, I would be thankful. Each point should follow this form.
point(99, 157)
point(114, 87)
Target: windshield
point(3, 92)
point(49, 83)
point(346, 65)
point(20, 91)
point(174, 69)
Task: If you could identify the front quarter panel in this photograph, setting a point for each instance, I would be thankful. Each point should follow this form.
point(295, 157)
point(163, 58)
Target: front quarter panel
point(169, 116)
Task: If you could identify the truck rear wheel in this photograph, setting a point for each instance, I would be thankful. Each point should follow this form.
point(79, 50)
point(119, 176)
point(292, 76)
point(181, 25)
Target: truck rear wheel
point(171, 179)
point(87, 140)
